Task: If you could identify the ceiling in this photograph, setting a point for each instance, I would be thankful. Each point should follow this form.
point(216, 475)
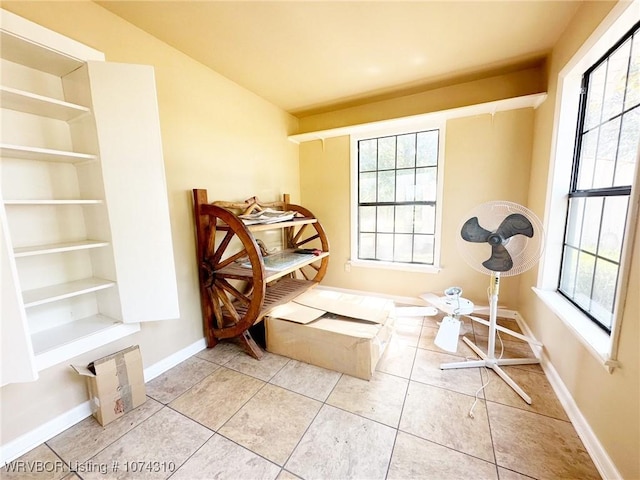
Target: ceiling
point(311, 56)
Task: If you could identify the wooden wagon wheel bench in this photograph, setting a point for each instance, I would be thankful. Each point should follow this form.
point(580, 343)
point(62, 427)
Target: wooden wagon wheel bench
point(239, 282)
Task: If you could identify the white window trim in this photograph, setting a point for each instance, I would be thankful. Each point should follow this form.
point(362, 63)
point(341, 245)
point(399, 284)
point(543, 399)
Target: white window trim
point(602, 346)
point(418, 126)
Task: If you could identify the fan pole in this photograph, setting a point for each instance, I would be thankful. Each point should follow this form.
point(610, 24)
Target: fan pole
point(494, 290)
point(489, 359)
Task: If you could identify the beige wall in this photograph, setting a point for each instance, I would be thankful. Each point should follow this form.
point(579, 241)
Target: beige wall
point(486, 158)
point(517, 83)
point(610, 402)
point(216, 135)
point(211, 127)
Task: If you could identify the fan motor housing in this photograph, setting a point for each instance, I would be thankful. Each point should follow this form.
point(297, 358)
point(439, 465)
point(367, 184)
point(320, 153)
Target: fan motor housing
point(495, 239)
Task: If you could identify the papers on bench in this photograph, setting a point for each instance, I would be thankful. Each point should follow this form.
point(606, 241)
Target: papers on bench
point(265, 216)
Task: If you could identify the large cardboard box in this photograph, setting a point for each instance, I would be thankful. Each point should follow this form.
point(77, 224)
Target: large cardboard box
point(340, 332)
point(115, 384)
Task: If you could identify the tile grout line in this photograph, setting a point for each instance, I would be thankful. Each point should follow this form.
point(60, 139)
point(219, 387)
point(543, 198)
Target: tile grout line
point(216, 431)
point(493, 443)
point(106, 446)
point(448, 447)
point(404, 400)
point(324, 402)
point(213, 433)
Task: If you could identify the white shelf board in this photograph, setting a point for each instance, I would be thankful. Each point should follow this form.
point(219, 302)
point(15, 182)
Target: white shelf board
point(44, 154)
point(57, 248)
point(53, 293)
point(35, 55)
point(53, 202)
point(27, 102)
point(414, 121)
point(61, 343)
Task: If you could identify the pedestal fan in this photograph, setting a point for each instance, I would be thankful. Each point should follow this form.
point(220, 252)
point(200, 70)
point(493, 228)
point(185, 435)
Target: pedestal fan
point(499, 238)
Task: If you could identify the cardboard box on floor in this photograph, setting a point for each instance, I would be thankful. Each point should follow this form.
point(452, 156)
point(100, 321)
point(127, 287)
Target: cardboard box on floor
point(341, 332)
point(115, 384)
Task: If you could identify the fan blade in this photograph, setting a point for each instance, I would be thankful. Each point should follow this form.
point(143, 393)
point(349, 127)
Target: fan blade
point(500, 260)
point(515, 224)
point(447, 336)
point(471, 231)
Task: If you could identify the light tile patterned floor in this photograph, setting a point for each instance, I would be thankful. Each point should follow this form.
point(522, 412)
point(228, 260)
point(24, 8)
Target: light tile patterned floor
point(224, 415)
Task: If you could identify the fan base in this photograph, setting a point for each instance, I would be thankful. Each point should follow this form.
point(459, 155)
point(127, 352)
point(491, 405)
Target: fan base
point(494, 364)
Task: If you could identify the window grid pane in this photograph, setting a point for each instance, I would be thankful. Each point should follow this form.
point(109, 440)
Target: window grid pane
point(632, 96)
point(617, 66)
point(368, 152)
point(591, 224)
point(386, 153)
point(606, 154)
point(405, 185)
point(397, 197)
point(629, 138)
point(386, 186)
point(604, 162)
point(427, 149)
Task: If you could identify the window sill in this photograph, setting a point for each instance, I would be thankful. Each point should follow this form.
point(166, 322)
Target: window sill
point(405, 267)
point(597, 342)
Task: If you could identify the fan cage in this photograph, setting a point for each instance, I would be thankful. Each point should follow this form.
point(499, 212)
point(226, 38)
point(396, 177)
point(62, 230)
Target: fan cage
point(525, 252)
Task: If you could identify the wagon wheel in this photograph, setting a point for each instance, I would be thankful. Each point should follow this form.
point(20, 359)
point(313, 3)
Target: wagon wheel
point(308, 236)
point(232, 294)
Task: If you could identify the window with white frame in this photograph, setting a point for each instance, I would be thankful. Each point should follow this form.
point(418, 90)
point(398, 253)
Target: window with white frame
point(606, 149)
point(593, 192)
point(396, 204)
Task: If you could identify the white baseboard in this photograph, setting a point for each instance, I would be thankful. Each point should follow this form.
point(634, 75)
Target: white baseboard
point(172, 360)
point(598, 454)
point(30, 440)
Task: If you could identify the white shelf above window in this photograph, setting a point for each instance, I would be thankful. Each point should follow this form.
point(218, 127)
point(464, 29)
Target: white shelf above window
point(57, 248)
point(27, 102)
point(44, 154)
point(53, 293)
point(417, 121)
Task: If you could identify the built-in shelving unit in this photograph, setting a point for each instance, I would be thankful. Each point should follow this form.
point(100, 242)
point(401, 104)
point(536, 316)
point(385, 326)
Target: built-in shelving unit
point(72, 273)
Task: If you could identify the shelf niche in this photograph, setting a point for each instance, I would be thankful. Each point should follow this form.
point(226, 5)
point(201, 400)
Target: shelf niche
point(78, 269)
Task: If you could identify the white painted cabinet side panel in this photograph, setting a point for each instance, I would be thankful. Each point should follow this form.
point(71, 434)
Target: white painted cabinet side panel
point(128, 127)
point(16, 351)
